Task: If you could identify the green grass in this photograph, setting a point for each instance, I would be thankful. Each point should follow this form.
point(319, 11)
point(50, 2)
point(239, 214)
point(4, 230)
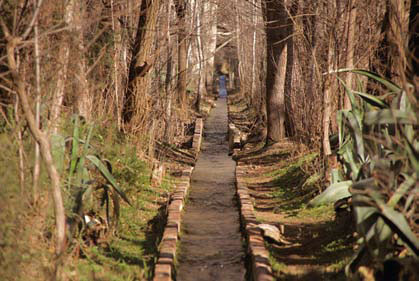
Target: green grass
point(27, 231)
point(293, 165)
point(322, 212)
point(275, 265)
point(294, 187)
point(322, 247)
point(22, 226)
point(336, 245)
point(130, 255)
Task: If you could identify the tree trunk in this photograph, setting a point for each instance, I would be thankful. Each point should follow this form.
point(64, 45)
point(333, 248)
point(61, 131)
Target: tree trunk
point(182, 53)
point(350, 47)
point(119, 69)
point(63, 59)
point(168, 79)
point(136, 102)
point(201, 59)
point(84, 102)
point(327, 106)
point(41, 138)
point(209, 24)
point(275, 19)
point(399, 36)
point(37, 162)
point(254, 23)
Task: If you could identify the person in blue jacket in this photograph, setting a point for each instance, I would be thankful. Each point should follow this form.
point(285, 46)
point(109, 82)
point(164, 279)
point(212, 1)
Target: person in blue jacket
point(222, 90)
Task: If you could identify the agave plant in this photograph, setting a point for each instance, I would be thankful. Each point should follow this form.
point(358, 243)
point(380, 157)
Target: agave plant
point(86, 190)
point(379, 150)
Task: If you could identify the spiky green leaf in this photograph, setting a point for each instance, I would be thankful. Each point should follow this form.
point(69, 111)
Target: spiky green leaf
point(397, 222)
point(388, 84)
point(388, 116)
point(74, 148)
point(372, 100)
point(105, 172)
point(332, 194)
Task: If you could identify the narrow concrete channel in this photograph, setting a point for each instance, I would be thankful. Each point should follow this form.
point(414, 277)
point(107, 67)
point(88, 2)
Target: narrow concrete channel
point(211, 243)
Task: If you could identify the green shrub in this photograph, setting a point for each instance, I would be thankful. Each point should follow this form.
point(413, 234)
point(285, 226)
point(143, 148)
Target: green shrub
point(379, 148)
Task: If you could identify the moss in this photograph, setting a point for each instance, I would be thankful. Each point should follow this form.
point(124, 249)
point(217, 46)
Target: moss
point(293, 186)
point(336, 245)
point(322, 212)
point(338, 266)
point(277, 266)
point(288, 167)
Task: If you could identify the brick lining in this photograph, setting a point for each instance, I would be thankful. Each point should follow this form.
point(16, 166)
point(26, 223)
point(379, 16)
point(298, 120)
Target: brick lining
point(261, 268)
point(165, 266)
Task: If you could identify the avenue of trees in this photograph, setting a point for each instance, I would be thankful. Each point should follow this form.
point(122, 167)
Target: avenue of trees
point(147, 67)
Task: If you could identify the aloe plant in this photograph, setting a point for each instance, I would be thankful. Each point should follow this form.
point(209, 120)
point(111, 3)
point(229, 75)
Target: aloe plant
point(379, 150)
point(82, 185)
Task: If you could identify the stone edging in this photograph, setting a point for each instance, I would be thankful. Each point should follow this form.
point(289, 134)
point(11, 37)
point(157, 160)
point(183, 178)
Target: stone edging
point(197, 137)
point(261, 269)
point(165, 265)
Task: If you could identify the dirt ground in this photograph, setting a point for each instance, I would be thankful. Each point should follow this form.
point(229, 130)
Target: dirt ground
point(211, 243)
point(317, 243)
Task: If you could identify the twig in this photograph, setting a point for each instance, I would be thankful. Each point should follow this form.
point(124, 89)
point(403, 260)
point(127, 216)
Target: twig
point(21, 149)
point(37, 164)
point(35, 15)
point(101, 54)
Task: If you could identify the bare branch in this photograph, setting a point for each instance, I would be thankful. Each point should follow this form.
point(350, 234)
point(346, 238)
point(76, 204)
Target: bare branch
point(42, 139)
point(101, 54)
point(7, 89)
point(35, 15)
point(4, 28)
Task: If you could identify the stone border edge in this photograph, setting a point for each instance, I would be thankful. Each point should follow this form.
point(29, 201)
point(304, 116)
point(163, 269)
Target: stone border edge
point(260, 266)
point(197, 137)
point(164, 268)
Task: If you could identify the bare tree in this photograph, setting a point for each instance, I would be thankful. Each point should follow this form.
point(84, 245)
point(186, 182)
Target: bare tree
point(136, 100)
point(13, 42)
point(350, 47)
point(276, 18)
point(181, 6)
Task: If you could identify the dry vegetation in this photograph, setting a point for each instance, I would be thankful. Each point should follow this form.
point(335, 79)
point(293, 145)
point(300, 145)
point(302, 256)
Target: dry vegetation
point(122, 82)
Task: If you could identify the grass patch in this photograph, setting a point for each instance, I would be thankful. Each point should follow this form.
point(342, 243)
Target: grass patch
point(131, 253)
point(27, 231)
point(276, 266)
point(319, 246)
point(294, 186)
point(323, 212)
point(336, 245)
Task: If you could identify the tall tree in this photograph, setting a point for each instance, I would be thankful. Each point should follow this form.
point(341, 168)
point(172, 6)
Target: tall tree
point(350, 48)
point(13, 43)
point(62, 74)
point(135, 103)
point(276, 17)
point(209, 24)
point(84, 101)
point(182, 51)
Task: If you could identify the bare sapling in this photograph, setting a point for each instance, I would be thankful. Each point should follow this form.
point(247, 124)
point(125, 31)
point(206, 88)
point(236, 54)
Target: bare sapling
point(13, 42)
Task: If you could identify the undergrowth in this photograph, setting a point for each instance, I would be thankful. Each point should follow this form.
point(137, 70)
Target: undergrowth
point(320, 244)
point(295, 185)
point(27, 229)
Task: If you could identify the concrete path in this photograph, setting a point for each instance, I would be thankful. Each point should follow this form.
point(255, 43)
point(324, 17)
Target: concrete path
point(211, 243)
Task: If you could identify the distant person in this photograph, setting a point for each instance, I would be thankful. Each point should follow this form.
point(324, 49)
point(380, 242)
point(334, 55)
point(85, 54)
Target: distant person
point(222, 90)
